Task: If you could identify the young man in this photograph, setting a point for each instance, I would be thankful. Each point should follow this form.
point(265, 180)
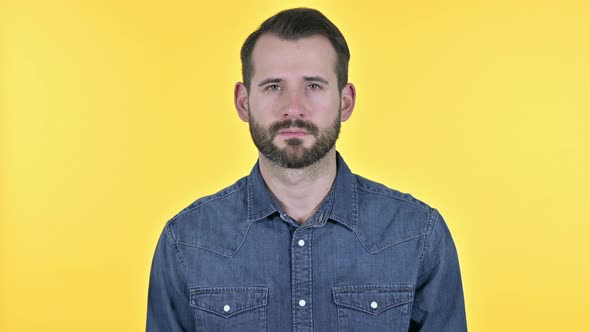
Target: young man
point(302, 244)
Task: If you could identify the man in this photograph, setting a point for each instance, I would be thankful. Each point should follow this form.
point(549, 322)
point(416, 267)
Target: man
point(301, 243)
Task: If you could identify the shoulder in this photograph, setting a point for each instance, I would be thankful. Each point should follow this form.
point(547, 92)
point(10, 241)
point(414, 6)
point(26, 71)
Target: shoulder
point(387, 217)
point(377, 190)
point(212, 221)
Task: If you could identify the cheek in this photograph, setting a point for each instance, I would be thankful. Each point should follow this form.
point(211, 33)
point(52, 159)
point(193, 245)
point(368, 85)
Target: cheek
point(323, 103)
point(262, 105)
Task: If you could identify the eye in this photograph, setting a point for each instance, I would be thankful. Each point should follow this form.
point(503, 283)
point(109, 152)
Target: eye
point(273, 87)
point(314, 86)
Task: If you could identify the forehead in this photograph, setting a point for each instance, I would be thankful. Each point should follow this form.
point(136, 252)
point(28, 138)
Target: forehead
point(274, 56)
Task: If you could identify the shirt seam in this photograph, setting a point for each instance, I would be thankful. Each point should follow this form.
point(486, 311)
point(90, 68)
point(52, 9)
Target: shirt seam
point(181, 263)
point(395, 243)
point(420, 205)
point(432, 216)
point(206, 200)
point(242, 236)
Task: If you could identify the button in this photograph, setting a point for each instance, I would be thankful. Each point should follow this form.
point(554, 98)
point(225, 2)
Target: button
point(302, 303)
point(226, 308)
point(301, 243)
point(374, 305)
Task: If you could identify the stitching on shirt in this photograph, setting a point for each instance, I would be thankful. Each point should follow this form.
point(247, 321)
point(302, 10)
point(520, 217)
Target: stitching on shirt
point(179, 257)
point(225, 290)
point(429, 229)
point(249, 191)
point(206, 249)
point(243, 234)
point(223, 251)
point(361, 241)
point(392, 193)
point(208, 199)
point(259, 292)
point(379, 288)
point(355, 202)
point(394, 243)
point(388, 245)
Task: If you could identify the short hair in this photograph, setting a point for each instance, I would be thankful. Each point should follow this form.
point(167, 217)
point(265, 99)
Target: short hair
point(293, 24)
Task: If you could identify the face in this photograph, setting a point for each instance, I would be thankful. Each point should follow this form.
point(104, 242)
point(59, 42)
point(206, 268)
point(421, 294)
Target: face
point(293, 106)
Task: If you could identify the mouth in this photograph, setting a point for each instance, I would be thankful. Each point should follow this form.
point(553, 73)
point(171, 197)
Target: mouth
point(293, 133)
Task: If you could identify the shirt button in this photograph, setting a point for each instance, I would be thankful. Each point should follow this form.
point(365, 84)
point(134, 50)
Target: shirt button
point(302, 303)
point(301, 243)
point(226, 308)
point(374, 305)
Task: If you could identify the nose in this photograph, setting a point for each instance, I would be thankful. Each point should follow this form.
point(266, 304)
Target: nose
point(294, 105)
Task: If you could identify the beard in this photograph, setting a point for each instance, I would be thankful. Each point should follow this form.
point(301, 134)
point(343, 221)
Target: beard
point(294, 155)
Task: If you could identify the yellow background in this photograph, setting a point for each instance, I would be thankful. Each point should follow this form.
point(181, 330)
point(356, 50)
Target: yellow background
point(117, 114)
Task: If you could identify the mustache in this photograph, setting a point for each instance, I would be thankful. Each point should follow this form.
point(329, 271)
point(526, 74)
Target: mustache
point(297, 123)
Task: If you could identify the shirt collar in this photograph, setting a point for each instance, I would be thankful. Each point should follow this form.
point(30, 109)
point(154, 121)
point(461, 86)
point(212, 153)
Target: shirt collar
point(341, 204)
point(345, 207)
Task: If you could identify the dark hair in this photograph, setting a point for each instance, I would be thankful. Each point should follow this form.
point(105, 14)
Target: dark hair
point(293, 24)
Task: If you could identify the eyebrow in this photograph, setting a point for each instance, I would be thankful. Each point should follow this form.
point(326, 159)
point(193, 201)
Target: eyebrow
point(306, 78)
point(270, 80)
point(315, 79)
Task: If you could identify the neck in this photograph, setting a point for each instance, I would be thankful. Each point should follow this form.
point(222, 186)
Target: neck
point(300, 192)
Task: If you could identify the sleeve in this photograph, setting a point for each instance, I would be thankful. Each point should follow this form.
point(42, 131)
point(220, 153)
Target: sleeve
point(438, 302)
point(168, 299)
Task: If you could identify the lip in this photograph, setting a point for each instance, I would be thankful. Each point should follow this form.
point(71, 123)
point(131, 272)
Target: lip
point(293, 132)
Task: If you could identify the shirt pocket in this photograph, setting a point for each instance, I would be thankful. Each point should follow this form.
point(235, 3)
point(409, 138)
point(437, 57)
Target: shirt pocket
point(374, 307)
point(229, 308)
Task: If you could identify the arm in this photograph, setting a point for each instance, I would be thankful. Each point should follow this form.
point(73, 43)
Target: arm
point(168, 302)
point(438, 302)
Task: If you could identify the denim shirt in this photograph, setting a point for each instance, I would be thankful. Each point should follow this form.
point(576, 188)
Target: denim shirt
point(370, 259)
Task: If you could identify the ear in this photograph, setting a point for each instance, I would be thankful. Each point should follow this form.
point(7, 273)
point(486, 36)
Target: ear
point(347, 100)
point(241, 100)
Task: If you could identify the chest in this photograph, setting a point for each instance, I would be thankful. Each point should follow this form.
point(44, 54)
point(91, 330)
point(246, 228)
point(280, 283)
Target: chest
point(320, 278)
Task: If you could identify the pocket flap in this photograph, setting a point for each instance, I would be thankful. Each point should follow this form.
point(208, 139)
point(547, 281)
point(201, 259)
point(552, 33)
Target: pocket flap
point(374, 299)
point(228, 301)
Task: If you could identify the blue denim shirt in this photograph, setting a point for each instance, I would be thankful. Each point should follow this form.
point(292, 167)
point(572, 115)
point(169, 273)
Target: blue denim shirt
point(370, 259)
